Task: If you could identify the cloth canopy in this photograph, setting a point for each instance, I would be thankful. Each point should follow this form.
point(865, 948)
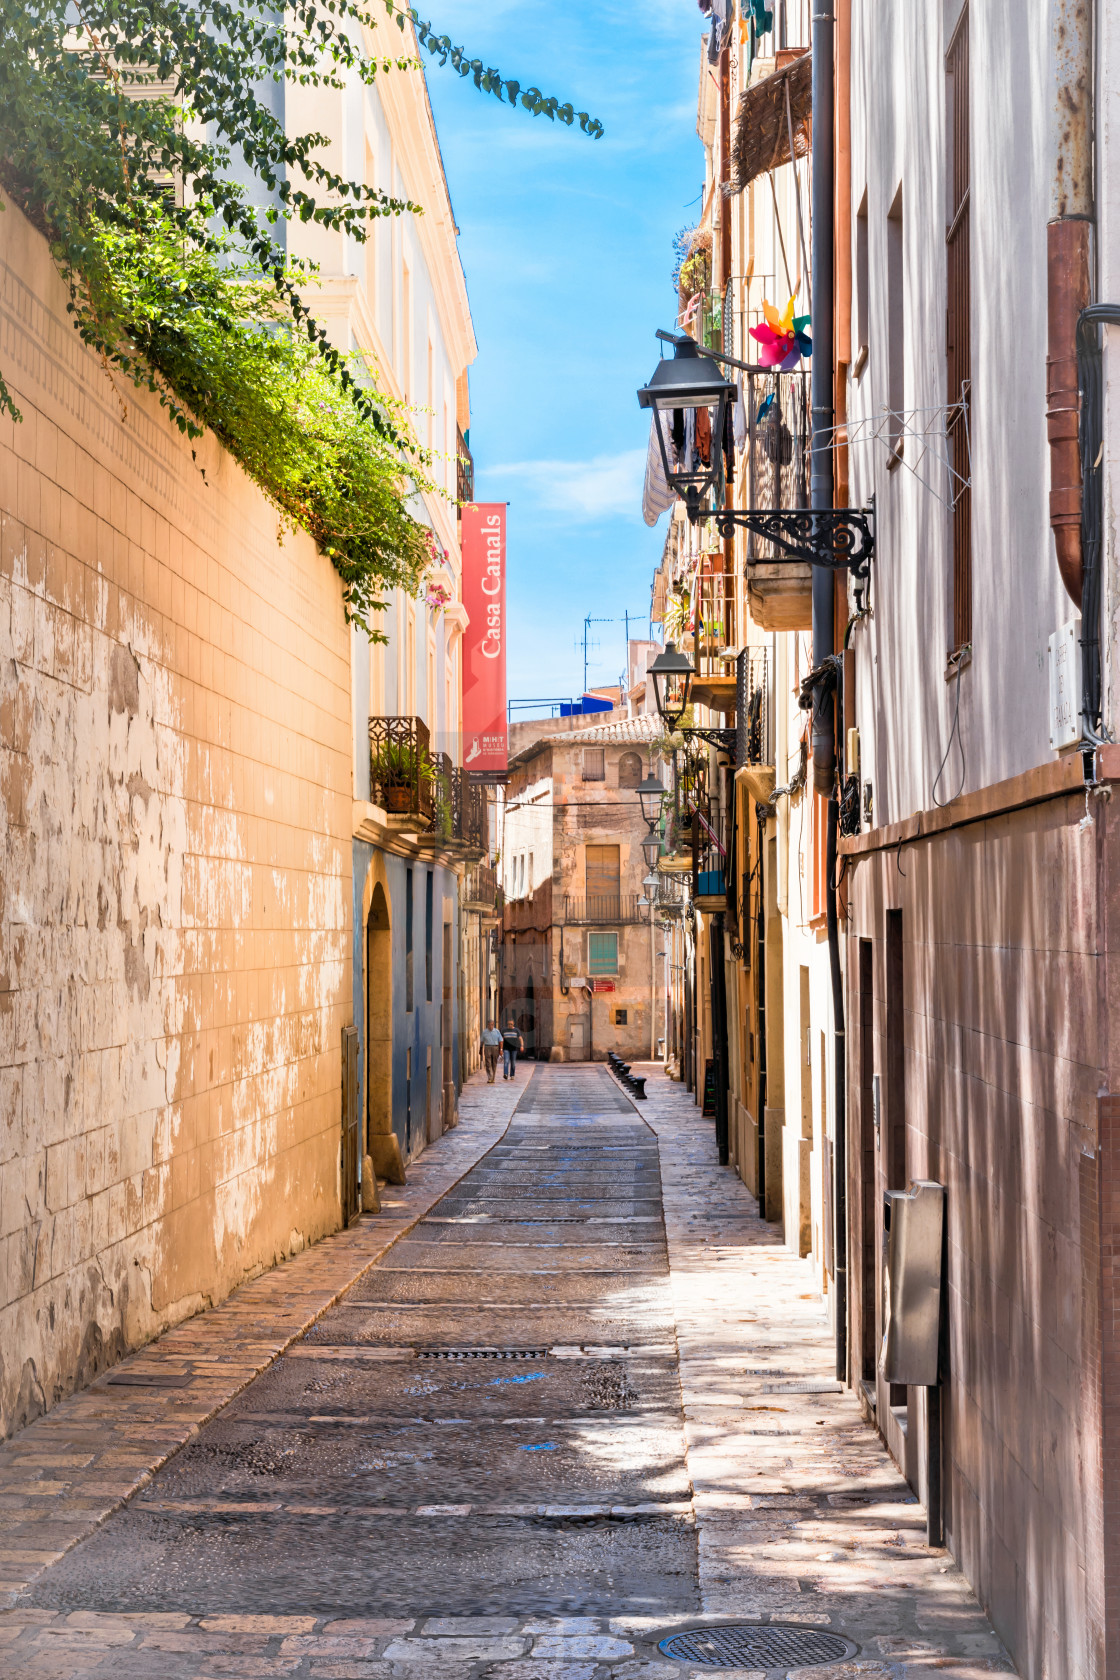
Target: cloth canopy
point(763, 122)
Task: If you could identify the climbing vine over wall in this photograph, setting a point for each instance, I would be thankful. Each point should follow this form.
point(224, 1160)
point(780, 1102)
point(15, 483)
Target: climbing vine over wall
point(128, 131)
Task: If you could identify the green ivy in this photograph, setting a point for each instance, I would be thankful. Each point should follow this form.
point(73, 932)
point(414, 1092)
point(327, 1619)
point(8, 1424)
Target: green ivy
point(178, 281)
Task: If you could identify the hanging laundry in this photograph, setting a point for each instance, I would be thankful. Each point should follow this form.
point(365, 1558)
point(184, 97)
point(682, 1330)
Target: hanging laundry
point(721, 24)
point(657, 497)
point(704, 435)
point(740, 416)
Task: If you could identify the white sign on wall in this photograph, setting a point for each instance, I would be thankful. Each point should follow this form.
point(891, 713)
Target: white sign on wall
point(1065, 686)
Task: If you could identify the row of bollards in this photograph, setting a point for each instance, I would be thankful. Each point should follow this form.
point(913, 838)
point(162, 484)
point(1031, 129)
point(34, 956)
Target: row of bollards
point(635, 1082)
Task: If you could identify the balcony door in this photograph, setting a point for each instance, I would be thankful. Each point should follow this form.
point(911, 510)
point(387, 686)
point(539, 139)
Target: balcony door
point(602, 884)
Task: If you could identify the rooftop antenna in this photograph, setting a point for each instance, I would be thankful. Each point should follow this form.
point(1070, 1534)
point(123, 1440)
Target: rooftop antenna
point(589, 620)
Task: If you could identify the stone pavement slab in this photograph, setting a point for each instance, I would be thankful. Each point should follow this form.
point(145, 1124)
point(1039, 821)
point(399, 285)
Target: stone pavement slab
point(69, 1470)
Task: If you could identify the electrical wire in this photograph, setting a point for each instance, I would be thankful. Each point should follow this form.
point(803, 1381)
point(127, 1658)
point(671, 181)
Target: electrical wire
point(955, 730)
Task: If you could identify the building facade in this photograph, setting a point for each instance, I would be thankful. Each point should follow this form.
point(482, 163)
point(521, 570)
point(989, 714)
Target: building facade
point(399, 303)
point(922, 854)
point(582, 965)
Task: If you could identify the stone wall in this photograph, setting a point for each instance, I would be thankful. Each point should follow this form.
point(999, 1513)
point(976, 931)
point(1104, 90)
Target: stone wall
point(990, 1048)
point(175, 875)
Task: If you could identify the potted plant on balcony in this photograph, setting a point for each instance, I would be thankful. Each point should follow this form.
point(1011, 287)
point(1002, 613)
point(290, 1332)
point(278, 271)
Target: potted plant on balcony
point(399, 769)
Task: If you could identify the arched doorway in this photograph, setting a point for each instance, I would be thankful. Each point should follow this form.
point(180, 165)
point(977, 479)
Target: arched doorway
point(380, 1142)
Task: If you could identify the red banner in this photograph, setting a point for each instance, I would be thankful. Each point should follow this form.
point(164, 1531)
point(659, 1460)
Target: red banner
point(485, 732)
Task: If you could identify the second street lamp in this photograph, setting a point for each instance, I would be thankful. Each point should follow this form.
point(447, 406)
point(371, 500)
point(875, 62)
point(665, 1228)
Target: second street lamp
point(672, 674)
point(650, 794)
point(651, 849)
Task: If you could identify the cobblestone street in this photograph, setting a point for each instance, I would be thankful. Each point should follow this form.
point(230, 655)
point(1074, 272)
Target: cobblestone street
point(565, 1396)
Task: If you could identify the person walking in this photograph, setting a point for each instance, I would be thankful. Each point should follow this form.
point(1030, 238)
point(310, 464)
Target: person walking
point(491, 1044)
point(512, 1042)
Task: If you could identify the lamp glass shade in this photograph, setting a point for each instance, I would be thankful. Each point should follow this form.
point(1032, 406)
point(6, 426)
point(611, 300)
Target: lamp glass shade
point(651, 849)
point(672, 674)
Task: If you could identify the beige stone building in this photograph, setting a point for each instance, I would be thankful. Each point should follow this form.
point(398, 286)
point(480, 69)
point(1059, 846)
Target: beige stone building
point(581, 962)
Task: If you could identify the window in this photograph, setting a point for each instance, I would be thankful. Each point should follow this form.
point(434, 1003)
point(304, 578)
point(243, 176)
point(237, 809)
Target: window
point(370, 247)
point(408, 939)
point(958, 324)
point(602, 870)
point(530, 880)
point(620, 1017)
point(406, 334)
point(428, 889)
point(896, 323)
point(630, 770)
point(594, 764)
point(602, 953)
point(862, 288)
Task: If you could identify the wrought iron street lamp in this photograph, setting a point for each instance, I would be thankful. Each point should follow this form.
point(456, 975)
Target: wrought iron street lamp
point(650, 794)
point(691, 380)
point(687, 380)
point(672, 674)
point(651, 849)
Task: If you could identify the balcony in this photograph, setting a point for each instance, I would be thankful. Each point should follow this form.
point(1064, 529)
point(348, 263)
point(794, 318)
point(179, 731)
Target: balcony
point(458, 819)
point(615, 912)
point(754, 709)
point(464, 475)
point(401, 768)
point(715, 639)
point(481, 891)
point(779, 592)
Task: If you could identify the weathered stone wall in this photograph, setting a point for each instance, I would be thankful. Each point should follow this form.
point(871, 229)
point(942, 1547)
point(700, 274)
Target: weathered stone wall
point(175, 867)
point(1001, 1038)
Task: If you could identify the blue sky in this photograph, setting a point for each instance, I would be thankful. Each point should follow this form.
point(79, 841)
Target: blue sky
point(567, 247)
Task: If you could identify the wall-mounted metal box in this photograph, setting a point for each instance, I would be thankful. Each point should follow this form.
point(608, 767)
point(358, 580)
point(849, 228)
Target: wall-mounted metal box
point(912, 1283)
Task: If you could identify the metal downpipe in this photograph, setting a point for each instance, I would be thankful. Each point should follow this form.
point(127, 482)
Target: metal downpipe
point(822, 495)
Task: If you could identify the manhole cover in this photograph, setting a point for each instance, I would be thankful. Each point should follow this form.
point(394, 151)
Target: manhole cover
point(773, 1646)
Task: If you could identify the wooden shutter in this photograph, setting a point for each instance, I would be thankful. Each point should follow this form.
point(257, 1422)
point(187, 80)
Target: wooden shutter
point(602, 881)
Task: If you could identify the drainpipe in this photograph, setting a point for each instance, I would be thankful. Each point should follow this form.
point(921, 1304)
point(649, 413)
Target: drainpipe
point(822, 494)
point(821, 386)
point(1068, 242)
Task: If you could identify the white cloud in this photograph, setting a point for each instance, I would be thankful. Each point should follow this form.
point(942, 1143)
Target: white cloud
point(605, 486)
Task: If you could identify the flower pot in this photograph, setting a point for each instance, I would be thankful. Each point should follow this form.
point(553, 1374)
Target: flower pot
point(397, 799)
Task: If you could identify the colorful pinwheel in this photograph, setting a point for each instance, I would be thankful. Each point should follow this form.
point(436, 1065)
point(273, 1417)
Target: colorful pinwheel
point(783, 337)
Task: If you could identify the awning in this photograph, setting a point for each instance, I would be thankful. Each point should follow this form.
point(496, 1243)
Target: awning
point(763, 122)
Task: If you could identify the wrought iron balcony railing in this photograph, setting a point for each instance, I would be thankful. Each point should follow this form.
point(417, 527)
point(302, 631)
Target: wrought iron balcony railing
point(464, 477)
point(754, 709)
point(458, 805)
point(481, 890)
point(777, 449)
point(400, 766)
point(613, 910)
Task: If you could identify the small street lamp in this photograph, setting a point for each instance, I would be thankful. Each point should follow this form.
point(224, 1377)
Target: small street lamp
point(672, 674)
point(651, 849)
point(650, 794)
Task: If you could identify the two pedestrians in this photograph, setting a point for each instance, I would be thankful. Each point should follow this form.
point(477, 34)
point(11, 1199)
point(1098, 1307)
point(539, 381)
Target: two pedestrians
point(491, 1044)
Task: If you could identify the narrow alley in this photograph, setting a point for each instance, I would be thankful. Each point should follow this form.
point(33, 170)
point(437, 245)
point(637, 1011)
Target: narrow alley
point(577, 1415)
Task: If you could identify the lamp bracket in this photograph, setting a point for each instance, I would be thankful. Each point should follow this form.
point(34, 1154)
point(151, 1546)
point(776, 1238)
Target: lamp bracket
point(831, 537)
point(722, 739)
